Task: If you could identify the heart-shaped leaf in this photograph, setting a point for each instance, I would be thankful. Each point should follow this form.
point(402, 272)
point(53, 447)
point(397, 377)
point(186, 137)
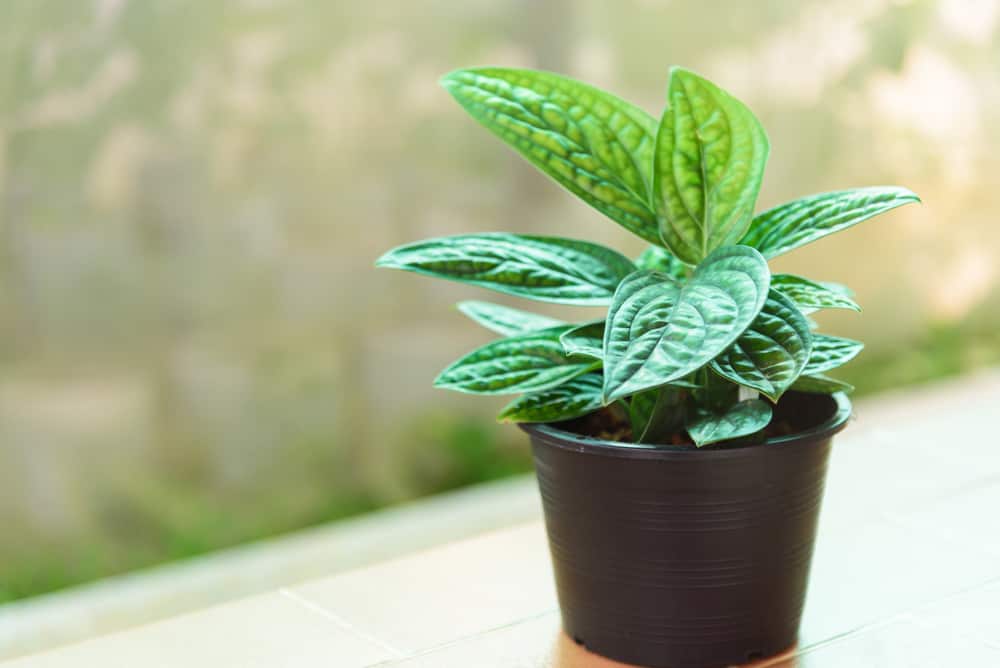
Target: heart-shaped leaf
point(526, 363)
point(810, 294)
point(772, 352)
point(820, 384)
point(659, 259)
point(741, 419)
point(586, 339)
point(802, 221)
point(659, 330)
point(505, 320)
point(572, 399)
point(829, 352)
point(709, 162)
point(594, 144)
point(550, 269)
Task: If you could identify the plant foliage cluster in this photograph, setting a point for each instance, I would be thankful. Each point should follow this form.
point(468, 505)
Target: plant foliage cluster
point(699, 334)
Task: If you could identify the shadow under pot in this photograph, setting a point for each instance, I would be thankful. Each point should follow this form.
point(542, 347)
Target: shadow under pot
point(677, 557)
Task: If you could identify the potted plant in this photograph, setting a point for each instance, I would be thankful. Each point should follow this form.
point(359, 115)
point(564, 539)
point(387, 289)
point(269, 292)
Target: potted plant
point(681, 442)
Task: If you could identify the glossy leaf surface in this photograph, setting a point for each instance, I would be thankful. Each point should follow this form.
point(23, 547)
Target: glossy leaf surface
point(551, 269)
point(829, 352)
point(810, 294)
point(741, 419)
point(586, 339)
point(659, 330)
point(820, 384)
point(772, 352)
point(505, 320)
point(526, 363)
point(659, 259)
point(572, 399)
point(801, 221)
point(709, 162)
point(594, 144)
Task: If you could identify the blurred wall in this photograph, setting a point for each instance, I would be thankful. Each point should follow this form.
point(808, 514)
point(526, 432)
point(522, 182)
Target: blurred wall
point(196, 349)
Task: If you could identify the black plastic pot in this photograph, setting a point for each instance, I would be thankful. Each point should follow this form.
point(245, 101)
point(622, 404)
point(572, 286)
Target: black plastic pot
point(674, 557)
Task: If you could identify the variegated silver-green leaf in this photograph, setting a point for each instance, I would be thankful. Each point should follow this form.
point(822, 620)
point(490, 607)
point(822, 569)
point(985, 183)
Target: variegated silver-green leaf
point(659, 259)
point(526, 363)
point(829, 352)
point(802, 221)
point(772, 352)
point(820, 384)
point(504, 319)
point(550, 269)
point(810, 294)
point(572, 399)
point(708, 165)
point(594, 144)
point(586, 339)
point(741, 419)
point(659, 330)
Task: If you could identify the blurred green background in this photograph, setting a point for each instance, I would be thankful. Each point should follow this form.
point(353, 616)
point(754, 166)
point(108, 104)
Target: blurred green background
point(196, 351)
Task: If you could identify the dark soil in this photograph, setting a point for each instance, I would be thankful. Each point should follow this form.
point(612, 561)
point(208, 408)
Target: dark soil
point(611, 424)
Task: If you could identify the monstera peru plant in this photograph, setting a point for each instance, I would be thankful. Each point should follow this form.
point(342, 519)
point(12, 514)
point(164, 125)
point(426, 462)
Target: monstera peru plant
point(665, 554)
point(699, 335)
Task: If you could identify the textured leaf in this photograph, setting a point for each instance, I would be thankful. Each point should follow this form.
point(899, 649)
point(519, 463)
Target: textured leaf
point(810, 294)
point(526, 363)
point(594, 144)
point(659, 259)
point(551, 269)
point(709, 162)
point(659, 330)
point(505, 320)
point(742, 419)
point(586, 339)
point(801, 221)
point(829, 352)
point(772, 352)
point(656, 414)
point(820, 384)
point(572, 399)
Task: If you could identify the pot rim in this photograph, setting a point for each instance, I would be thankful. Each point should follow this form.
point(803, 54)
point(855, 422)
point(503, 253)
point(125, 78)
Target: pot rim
point(587, 444)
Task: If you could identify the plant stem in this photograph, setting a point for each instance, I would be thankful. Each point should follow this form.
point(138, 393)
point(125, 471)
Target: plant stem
point(667, 416)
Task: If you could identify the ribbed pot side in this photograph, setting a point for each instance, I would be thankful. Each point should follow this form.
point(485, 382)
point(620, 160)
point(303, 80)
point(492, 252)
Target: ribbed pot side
point(684, 558)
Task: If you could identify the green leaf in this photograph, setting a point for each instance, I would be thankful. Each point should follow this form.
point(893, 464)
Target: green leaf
point(772, 352)
point(810, 294)
point(659, 330)
point(802, 221)
point(742, 419)
point(594, 144)
point(829, 352)
point(572, 399)
point(586, 339)
point(659, 259)
point(505, 320)
point(709, 162)
point(820, 384)
point(656, 414)
point(551, 269)
point(640, 409)
point(526, 363)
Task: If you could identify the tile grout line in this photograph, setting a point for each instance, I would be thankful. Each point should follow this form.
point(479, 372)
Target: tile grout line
point(915, 612)
point(916, 620)
point(342, 623)
point(458, 641)
point(910, 615)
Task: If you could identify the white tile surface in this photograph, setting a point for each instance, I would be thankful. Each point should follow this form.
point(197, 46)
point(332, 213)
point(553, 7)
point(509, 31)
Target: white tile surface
point(271, 630)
